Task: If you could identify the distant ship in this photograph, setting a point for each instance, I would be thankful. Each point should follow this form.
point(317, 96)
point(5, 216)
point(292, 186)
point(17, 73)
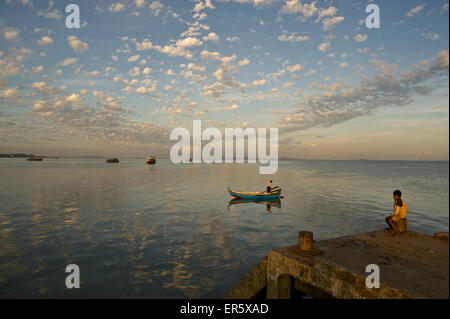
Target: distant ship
point(151, 160)
point(112, 160)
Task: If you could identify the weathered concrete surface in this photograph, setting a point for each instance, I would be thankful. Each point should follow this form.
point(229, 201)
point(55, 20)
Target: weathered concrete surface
point(412, 265)
point(252, 284)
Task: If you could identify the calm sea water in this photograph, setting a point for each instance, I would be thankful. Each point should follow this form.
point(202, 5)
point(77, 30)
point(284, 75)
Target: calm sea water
point(168, 231)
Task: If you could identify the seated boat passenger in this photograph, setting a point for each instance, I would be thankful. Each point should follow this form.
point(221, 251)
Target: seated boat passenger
point(269, 186)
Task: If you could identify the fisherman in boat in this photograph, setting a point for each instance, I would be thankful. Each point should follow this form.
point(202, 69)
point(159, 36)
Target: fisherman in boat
point(398, 213)
point(269, 186)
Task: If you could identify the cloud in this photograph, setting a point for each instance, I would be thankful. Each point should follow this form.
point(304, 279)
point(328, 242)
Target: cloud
point(134, 58)
point(244, 61)
point(76, 44)
point(415, 10)
point(23, 2)
point(54, 14)
point(156, 7)
point(199, 6)
point(37, 69)
point(11, 34)
point(139, 3)
point(383, 66)
point(211, 37)
point(360, 37)
point(233, 39)
point(11, 94)
point(259, 82)
point(44, 41)
point(326, 109)
point(324, 46)
point(294, 68)
point(295, 7)
point(431, 36)
point(209, 56)
point(329, 23)
point(68, 61)
point(116, 7)
point(293, 37)
point(189, 42)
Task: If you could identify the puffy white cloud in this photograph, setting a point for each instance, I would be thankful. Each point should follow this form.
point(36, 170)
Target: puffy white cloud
point(259, 82)
point(44, 40)
point(415, 10)
point(211, 37)
point(11, 94)
point(116, 7)
point(442, 58)
point(244, 61)
point(37, 69)
point(383, 66)
point(134, 71)
point(233, 39)
point(329, 23)
point(199, 6)
point(134, 58)
point(11, 34)
point(139, 3)
point(68, 61)
point(292, 37)
point(77, 44)
point(189, 42)
point(294, 68)
point(324, 46)
point(360, 37)
point(156, 7)
point(209, 56)
point(295, 7)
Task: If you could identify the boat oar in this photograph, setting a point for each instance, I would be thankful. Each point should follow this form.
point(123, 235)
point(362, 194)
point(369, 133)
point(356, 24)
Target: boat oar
point(271, 190)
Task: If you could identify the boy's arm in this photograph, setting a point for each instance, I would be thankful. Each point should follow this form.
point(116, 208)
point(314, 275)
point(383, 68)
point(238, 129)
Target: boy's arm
point(396, 211)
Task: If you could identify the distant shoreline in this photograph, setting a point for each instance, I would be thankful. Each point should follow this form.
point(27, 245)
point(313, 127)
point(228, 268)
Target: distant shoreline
point(283, 159)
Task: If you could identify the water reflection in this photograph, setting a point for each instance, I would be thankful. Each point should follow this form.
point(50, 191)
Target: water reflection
point(276, 202)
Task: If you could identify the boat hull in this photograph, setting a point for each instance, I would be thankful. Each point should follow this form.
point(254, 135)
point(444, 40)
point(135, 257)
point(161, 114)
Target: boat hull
point(255, 196)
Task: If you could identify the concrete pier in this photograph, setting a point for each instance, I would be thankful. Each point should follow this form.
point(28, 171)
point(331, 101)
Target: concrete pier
point(412, 265)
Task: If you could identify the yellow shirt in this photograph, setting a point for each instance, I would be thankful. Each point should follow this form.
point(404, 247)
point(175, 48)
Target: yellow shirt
point(399, 211)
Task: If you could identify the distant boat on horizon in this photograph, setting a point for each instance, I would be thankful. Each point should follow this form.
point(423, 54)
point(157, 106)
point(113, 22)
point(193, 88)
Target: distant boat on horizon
point(150, 160)
point(33, 158)
point(112, 160)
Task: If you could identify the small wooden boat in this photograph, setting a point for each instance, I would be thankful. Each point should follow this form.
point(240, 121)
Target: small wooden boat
point(275, 193)
point(35, 159)
point(151, 160)
point(112, 160)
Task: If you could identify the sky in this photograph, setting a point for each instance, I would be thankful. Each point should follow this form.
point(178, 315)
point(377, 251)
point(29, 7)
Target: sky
point(137, 69)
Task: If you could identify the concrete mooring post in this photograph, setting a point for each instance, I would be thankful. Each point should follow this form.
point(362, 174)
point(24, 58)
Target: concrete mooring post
point(305, 240)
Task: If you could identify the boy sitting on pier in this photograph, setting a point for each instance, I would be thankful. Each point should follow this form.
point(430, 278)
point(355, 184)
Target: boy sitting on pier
point(398, 214)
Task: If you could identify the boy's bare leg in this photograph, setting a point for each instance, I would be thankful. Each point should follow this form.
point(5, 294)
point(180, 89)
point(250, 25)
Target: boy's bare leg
point(393, 225)
point(388, 221)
